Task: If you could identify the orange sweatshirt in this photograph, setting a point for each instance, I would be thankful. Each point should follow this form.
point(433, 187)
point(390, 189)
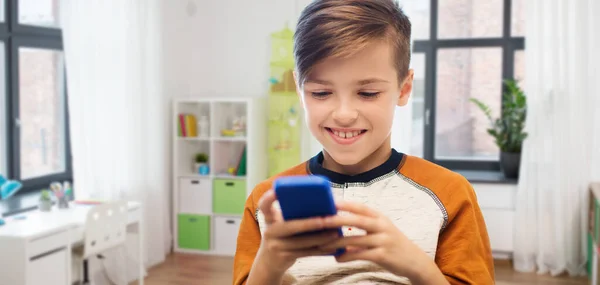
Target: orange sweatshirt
point(434, 207)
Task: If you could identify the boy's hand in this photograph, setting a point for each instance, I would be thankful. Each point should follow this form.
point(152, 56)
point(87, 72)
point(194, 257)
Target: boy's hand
point(383, 244)
point(279, 248)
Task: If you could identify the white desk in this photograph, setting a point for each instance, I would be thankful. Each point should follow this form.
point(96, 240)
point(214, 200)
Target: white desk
point(37, 250)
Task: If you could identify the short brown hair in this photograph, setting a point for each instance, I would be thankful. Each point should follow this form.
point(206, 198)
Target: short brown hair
point(339, 28)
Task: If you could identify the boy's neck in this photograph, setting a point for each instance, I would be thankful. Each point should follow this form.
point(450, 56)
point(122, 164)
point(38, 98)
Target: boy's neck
point(377, 158)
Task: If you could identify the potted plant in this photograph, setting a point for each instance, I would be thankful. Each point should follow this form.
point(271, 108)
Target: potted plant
point(45, 203)
point(508, 130)
point(201, 163)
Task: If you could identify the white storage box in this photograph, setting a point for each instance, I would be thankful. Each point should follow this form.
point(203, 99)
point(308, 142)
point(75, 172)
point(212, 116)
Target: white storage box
point(226, 231)
point(195, 195)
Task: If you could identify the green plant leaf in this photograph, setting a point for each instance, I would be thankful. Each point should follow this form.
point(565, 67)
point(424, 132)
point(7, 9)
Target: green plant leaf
point(508, 130)
point(485, 108)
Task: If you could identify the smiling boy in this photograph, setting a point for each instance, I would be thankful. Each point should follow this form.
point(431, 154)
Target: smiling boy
point(406, 220)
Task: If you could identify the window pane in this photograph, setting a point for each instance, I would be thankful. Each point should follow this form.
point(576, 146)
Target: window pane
point(518, 18)
point(41, 112)
point(39, 13)
point(4, 135)
point(460, 126)
point(519, 71)
point(2, 5)
point(418, 105)
point(418, 13)
point(470, 19)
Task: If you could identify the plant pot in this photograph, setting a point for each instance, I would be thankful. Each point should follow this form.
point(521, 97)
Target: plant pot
point(510, 163)
point(202, 168)
point(45, 206)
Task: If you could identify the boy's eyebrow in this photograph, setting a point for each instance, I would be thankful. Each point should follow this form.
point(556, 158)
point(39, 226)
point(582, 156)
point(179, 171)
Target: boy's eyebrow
point(317, 81)
point(360, 82)
point(372, 80)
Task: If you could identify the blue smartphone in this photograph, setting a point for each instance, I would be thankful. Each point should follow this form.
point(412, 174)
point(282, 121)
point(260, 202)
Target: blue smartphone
point(302, 197)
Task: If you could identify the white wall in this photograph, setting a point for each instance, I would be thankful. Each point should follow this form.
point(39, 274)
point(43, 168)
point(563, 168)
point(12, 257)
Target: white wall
point(222, 47)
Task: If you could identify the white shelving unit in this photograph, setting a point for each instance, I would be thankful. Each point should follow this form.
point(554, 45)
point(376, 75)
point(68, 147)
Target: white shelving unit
point(207, 209)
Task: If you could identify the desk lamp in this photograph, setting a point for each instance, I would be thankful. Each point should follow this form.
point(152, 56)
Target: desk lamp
point(8, 188)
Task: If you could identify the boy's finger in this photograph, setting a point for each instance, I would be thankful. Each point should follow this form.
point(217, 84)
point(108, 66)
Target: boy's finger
point(365, 254)
point(356, 208)
point(366, 223)
point(309, 252)
point(293, 227)
point(265, 205)
point(309, 241)
point(367, 241)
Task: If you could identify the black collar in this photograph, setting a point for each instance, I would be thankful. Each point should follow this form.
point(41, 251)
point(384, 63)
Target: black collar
point(315, 167)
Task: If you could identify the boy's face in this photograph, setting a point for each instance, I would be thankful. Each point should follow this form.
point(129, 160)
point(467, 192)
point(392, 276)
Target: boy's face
point(349, 103)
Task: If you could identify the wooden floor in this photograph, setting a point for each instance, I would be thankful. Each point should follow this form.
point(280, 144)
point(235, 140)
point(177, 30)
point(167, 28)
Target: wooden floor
point(182, 269)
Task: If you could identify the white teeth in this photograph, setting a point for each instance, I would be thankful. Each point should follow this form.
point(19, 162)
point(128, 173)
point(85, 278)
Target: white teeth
point(346, 135)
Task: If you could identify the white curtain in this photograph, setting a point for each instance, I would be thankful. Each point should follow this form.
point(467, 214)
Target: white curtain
point(118, 115)
point(562, 154)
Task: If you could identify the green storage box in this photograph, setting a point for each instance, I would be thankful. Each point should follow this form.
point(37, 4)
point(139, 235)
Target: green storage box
point(194, 231)
point(229, 196)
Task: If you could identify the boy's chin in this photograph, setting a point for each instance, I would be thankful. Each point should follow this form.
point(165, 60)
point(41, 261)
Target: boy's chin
point(347, 158)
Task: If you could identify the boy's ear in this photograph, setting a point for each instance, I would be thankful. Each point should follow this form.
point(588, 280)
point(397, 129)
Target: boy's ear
point(406, 88)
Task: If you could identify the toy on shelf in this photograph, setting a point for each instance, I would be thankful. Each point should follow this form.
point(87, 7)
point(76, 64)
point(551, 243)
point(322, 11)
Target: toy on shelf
point(231, 171)
point(238, 128)
point(201, 164)
point(203, 127)
point(240, 167)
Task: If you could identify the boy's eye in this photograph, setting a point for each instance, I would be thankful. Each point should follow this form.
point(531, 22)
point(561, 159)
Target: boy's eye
point(321, 94)
point(368, 94)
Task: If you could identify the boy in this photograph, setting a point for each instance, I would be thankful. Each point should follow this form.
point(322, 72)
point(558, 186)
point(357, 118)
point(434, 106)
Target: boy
point(405, 220)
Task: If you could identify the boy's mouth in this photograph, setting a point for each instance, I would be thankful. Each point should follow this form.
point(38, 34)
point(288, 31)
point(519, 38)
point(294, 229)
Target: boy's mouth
point(345, 135)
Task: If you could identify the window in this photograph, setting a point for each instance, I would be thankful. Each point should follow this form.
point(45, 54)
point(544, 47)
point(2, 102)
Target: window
point(35, 128)
point(462, 49)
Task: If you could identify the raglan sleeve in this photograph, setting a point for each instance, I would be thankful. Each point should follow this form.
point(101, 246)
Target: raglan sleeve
point(464, 254)
point(248, 241)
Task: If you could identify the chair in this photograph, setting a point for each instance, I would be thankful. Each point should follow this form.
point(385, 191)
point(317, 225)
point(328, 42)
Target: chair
point(105, 229)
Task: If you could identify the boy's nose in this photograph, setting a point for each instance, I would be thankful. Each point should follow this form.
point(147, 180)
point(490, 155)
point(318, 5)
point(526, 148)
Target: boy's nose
point(345, 114)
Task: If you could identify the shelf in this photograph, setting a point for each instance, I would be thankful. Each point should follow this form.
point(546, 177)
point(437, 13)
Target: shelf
point(194, 175)
point(194, 194)
point(211, 176)
point(226, 176)
point(217, 139)
point(229, 139)
point(202, 139)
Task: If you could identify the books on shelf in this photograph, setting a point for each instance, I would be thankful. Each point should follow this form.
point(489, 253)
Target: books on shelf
point(187, 126)
point(240, 170)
